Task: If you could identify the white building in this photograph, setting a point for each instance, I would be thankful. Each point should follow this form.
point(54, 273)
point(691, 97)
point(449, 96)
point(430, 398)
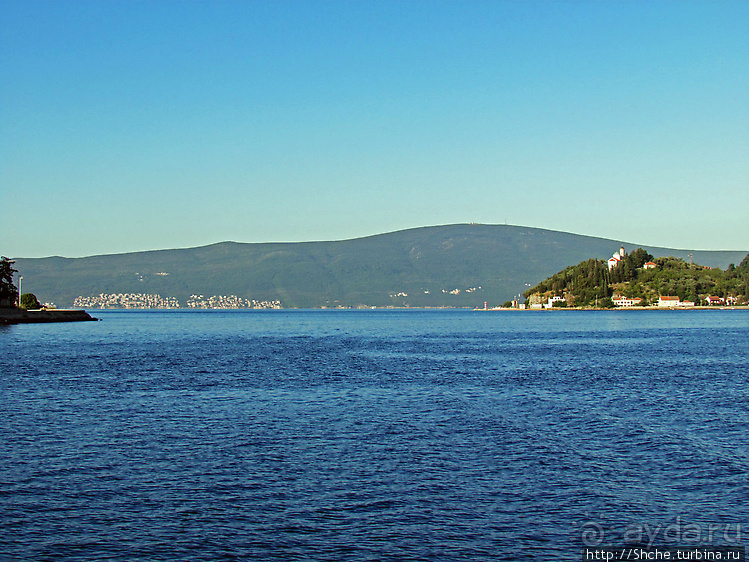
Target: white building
point(624, 301)
point(552, 300)
point(616, 258)
point(669, 302)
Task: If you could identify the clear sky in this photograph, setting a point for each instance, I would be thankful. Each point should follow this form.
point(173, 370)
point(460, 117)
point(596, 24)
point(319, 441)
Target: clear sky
point(134, 125)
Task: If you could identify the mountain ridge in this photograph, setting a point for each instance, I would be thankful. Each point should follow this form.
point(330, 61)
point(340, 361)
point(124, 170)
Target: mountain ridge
point(235, 242)
point(422, 266)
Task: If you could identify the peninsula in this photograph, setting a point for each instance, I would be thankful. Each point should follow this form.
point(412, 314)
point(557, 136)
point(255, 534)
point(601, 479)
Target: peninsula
point(638, 279)
point(25, 309)
point(10, 316)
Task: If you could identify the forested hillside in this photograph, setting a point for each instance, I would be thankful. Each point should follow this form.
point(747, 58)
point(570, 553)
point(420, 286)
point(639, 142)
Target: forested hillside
point(591, 283)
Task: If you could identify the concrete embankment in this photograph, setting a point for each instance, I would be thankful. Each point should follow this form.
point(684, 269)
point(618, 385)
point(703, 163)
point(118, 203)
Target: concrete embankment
point(20, 316)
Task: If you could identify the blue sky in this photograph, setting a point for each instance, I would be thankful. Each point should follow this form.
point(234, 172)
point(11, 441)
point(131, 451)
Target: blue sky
point(134, 125)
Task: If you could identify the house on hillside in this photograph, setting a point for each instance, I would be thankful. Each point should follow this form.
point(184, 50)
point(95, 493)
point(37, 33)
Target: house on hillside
point(669, 302)
point(713, 301)
point(624, 301)
point(552, 300)
point(649, 265)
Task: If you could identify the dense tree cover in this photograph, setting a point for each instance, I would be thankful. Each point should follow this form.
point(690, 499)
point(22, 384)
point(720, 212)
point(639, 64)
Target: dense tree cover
point(691, 282)
point(629, 265)
point(30, 302)
point(591, 283)
point(8, 291)
point(584, 283)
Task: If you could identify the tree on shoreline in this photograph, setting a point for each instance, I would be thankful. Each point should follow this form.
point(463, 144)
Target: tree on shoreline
point(30, 302)
point(8, 291)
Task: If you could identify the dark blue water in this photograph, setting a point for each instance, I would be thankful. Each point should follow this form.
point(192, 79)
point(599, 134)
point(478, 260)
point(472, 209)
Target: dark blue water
point(372, 435)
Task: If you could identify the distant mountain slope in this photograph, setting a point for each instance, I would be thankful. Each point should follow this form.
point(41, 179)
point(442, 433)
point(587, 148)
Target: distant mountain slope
point(430, 266)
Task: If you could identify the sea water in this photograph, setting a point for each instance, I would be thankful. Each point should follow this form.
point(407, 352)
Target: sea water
point(372, 435)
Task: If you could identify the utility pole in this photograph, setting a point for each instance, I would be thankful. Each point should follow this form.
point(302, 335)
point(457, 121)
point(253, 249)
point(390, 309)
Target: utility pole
point(19, 290)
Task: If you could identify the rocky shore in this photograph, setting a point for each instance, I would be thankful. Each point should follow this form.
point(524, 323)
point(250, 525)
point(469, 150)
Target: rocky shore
point(20, 316)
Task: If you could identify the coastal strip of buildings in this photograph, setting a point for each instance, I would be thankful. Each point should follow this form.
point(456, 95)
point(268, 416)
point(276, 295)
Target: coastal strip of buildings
point(154, 301)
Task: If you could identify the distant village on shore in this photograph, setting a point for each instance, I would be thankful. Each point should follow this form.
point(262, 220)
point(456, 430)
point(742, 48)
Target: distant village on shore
point(143, 300)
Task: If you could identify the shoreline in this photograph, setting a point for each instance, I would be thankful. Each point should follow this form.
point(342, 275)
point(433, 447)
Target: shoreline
point(397, 308)
point(12, 316)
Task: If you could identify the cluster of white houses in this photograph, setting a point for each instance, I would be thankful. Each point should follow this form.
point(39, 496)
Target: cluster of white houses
point(663, 302)
point(143, 300)
point(674, 302)
point(125, 300)
point(229, 301)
